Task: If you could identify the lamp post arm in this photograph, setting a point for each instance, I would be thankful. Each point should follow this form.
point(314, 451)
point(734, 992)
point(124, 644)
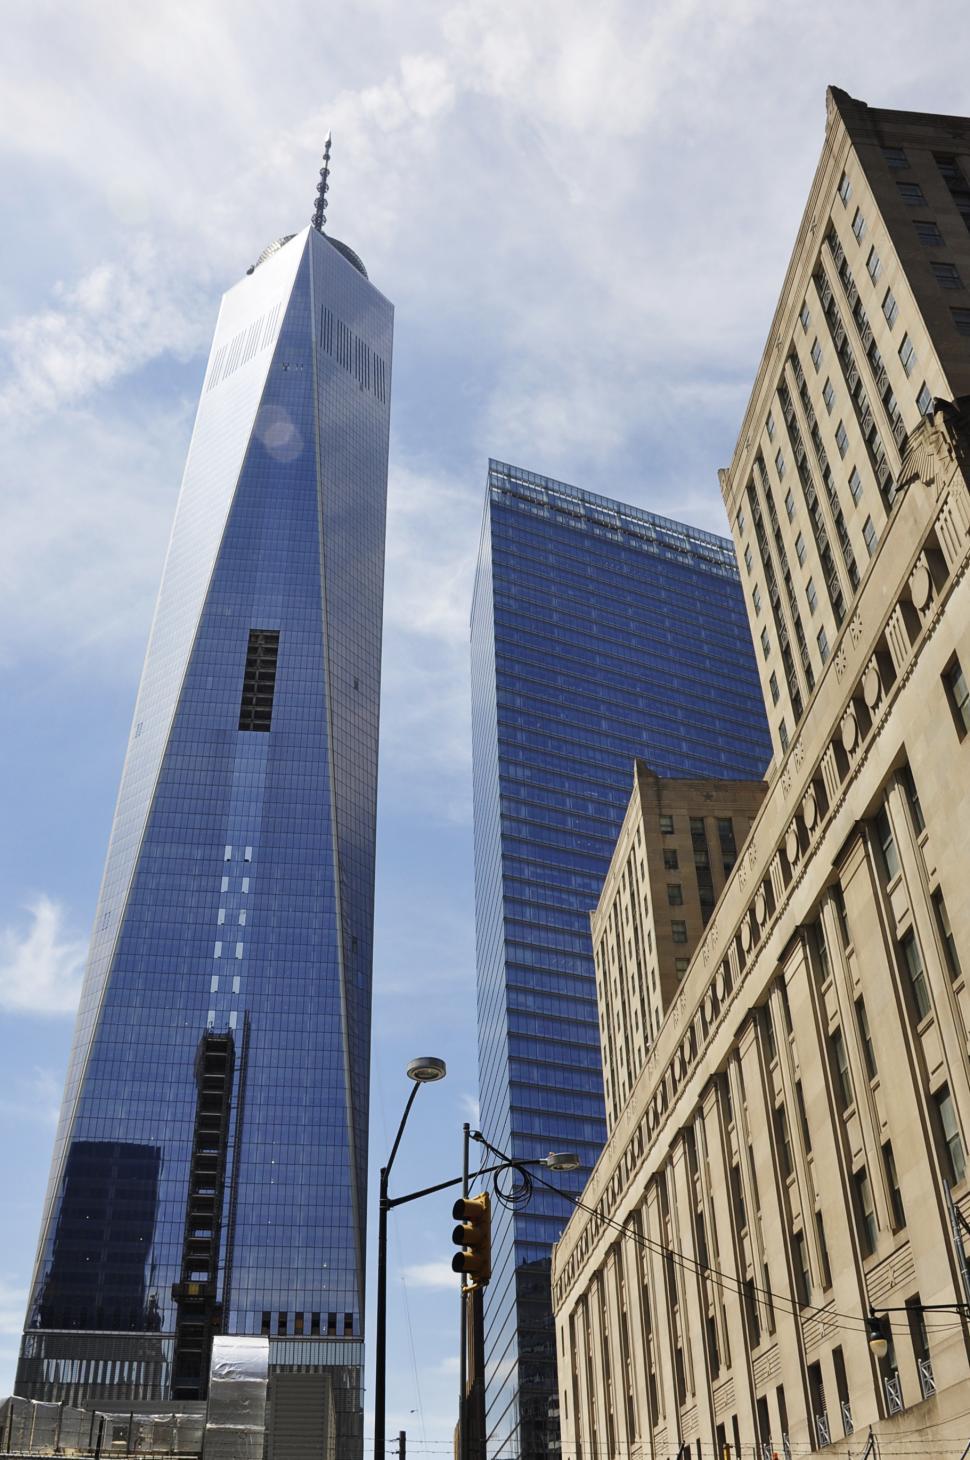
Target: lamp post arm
point(400, 1130)
point(398, 1201)
point(962, 1308)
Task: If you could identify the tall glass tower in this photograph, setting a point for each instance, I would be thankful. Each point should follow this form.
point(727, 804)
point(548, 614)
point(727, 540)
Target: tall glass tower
point(209, 1174)
point(599, 633)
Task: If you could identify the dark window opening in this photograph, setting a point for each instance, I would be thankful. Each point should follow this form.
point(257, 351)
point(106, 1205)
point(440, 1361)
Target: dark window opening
point(259, 680)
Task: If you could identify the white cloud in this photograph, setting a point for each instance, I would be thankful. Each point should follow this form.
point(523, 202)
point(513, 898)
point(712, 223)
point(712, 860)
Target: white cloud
point(430, 1275)
point(40, 966)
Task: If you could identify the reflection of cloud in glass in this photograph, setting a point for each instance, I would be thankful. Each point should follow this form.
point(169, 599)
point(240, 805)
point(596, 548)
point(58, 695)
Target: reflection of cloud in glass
point(278, 433)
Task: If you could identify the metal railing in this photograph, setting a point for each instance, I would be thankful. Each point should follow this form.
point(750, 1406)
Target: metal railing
point(847, 1425)
point(894, 1394)
point(822, 1429)
point(926, 1380)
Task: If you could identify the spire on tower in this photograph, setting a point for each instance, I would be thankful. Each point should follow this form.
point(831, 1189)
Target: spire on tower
point(323, 187)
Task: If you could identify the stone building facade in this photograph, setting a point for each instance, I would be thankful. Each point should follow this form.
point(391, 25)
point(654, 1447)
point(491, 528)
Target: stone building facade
point(677, 848)
point(792, 1152)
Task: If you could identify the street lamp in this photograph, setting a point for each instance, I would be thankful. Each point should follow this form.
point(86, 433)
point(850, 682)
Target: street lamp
point(560, 1161)
point(425, 1070)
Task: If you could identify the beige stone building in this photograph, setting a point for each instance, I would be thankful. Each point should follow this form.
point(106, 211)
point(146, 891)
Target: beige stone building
point(676, 849)
point(792, 1152)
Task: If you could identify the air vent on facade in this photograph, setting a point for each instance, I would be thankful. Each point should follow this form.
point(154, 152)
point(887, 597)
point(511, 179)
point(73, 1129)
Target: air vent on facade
point(259, 680)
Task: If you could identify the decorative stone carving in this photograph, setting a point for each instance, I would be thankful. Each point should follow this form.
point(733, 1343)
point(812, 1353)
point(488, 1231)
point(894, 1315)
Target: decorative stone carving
point(921, 585)
point(810, 814)
point(850, 731)
point(840, 661)
point(872, 685)
point(793, 846)
point(938, 445)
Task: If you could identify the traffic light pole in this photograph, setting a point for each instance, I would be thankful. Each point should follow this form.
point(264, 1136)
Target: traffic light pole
point(463, 1322)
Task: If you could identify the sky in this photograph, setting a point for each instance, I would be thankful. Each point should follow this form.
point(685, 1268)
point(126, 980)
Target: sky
point(583, 216)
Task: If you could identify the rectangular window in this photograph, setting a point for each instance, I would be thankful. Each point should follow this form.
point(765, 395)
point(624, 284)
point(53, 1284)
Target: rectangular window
point(958, 696)
point(865, 1212)
point(841, 1077)
point(907, 354)
point(858, 225)
point(961, 320)
point(783, 735)
point(892, 1181)
point(912, 798)
point(841, 439)
point(911, 194)
point(803, 1116)
point(678, 931)
point(865, 1038)
point(667, 825)
point(681, 965)
point(675, 894)
point(739, 519)
point(828, 394)
point(725, 835)
point(779, 463)
point(946, 934)
point(670, 859)
point(811, 595)
point(873, 266)
point(816, 353)
point(821, 639)
point(946, 275)
point(890, 308)
point(756, 598)
point(855, 485)
point(259, 680)
point(845, 188)
point(913, 963)
point(800, 549)
point(870, 535)
point(770, 426)
point(842, 917)
point(783, 1142)
point(803, 1273)
point(765, 643)
point(823, 1252)
point(924, 400)
point(805, 316)
point(887, 843)
point(895, 158)
point(952, 1157)
point(789, 505)
point(748, 559)
point(928, 233)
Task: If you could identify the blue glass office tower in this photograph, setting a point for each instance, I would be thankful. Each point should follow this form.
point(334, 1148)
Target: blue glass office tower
point(599, 633)
point(209, 1174)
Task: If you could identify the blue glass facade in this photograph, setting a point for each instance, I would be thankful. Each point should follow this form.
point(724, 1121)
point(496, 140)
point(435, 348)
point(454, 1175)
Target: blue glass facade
point(209, 1173)
point(599, 633)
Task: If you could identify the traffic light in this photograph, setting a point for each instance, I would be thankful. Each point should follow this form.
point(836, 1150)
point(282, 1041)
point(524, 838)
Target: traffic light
point(474, 1236)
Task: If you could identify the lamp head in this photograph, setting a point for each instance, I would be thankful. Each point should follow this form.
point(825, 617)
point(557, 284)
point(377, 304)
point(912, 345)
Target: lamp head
point(561, 1161)
point(877, 1335)
point(426, 1069)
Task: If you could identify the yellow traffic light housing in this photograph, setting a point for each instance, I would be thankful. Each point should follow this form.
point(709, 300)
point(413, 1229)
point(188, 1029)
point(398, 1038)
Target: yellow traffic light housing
point(474, 1236)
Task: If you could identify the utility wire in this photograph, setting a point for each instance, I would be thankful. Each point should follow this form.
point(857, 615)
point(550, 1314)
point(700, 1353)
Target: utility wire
point(852, 1323)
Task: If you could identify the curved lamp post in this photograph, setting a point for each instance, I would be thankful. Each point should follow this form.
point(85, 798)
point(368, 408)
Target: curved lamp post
point(423, 1071)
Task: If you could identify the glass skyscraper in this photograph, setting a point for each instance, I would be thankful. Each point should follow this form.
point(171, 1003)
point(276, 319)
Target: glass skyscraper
point(599, 633)
point(209, 1174)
